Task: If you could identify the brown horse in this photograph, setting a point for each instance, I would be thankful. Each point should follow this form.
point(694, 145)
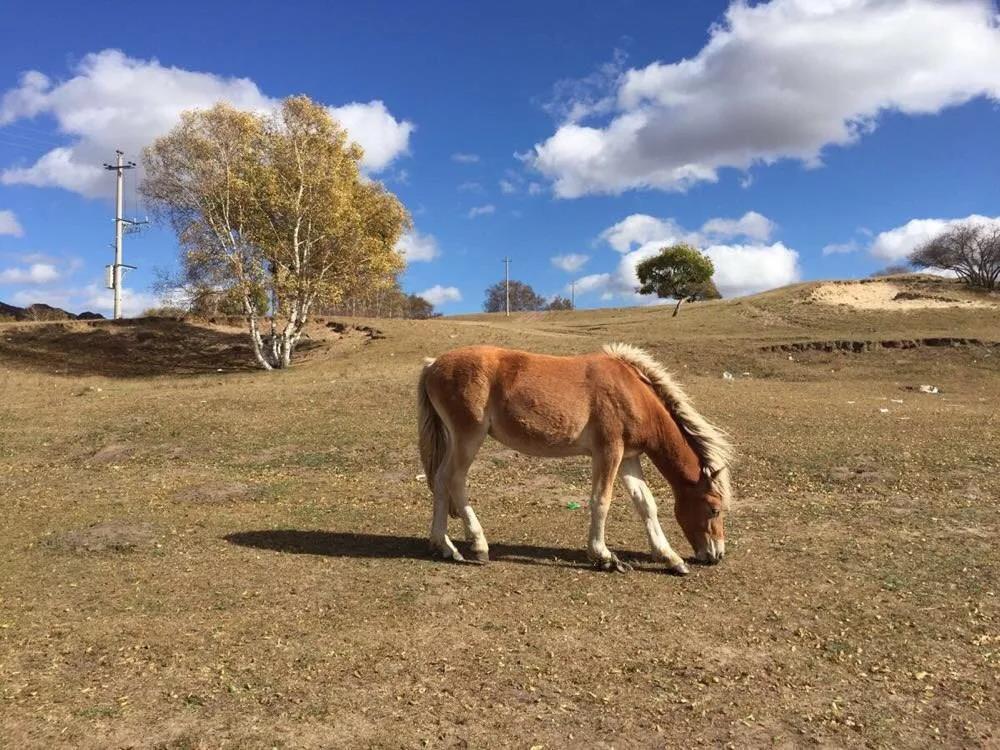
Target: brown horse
point(612, 405)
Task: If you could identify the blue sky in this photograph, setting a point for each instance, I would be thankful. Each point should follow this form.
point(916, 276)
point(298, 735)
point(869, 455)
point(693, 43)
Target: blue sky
point(792, 139)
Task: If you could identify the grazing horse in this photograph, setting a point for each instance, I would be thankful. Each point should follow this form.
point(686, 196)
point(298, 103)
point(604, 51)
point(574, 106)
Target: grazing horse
point(612, 405)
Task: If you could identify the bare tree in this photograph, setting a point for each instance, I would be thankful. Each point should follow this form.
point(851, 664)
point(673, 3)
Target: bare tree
point(971, 250)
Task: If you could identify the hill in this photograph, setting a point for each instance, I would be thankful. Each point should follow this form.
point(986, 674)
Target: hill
point(40, 311)
point(238, 558)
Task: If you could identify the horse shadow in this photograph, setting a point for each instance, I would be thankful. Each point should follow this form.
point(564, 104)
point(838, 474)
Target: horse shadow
point(391, 546)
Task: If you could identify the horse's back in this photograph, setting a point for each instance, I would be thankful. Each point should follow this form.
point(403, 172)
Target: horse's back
point(535, 403)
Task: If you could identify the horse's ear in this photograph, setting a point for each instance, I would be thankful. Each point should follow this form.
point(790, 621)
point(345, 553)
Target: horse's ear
point(714, 474)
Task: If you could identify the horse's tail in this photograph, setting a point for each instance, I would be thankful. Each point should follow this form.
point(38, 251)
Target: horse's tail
point(433, 438)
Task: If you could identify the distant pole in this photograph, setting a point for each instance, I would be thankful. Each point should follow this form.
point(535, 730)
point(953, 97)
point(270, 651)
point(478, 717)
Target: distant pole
point(572, 294)
point(116, 271)
point(506, 274)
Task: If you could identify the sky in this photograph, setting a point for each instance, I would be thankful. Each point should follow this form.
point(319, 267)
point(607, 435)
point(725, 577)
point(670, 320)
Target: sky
point(789, 140)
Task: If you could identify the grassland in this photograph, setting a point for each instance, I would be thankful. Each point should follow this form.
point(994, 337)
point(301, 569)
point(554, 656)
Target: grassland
point(197, 555)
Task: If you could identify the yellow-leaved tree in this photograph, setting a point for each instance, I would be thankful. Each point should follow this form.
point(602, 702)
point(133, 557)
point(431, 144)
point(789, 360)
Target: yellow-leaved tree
point(273, 208)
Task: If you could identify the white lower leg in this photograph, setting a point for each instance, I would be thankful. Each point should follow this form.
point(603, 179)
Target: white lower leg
point(473, 531)
point(597, 550)
point(645, 506)
point(439, 524)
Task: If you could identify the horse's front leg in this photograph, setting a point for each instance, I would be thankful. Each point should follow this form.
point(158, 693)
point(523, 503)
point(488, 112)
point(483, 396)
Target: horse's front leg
point(604, 468)
point(645, 506)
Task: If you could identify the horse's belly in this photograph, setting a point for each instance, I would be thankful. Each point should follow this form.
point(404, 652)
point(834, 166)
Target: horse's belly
point(538, 431)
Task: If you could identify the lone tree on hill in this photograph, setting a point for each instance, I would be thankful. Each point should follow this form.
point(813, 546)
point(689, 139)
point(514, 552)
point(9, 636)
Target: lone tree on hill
point(970, 250)
point(272, 210)
point(678, 272)
point(522, 298)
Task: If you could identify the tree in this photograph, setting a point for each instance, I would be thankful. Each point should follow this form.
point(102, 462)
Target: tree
point(273, 209)
point(559, 303)
point(970, 250)
point(522, 298)
point(679, 272)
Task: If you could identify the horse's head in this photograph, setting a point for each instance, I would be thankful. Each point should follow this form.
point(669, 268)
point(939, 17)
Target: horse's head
point(700, 510)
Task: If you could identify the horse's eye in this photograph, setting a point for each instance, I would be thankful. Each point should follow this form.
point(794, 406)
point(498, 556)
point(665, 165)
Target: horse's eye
point(713, 512)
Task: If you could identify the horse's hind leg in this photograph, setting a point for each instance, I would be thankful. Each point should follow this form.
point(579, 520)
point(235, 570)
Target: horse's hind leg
point(450, 493)
point(645, 506)
point(439, 521)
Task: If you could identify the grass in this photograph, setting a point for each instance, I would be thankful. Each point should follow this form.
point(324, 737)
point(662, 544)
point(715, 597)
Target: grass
point(857, 607)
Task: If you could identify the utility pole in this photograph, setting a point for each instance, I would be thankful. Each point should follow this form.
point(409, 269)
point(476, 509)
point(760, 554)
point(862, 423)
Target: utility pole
point(506, 274)
point(115, 275)
point(572, 295)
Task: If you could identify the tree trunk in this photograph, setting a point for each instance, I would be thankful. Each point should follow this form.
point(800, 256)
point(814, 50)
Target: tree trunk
point(677, 308)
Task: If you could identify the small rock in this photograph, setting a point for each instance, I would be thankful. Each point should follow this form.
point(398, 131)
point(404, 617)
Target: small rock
point(728, 375)
point(929, 389)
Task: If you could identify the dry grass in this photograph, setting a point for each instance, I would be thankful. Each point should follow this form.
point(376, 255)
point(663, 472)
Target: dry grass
point(189, 561)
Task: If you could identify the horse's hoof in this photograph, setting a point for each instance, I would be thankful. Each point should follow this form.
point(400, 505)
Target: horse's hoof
point(613, 565)
point(680, 569)
point(481, 557)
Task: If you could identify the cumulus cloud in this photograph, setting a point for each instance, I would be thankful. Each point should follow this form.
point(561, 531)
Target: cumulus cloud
point(134, 302)
point(740, 268)
point(896, 244)
point(776, 80)
point(639, 229)
point(507, 187)
point(751, 224)
point(570, 262)
point(438, 295)
point(9, 224)
point(36, 273)
point(486, 210)
point(416, 247)
point(115, 101)
point(461, 158)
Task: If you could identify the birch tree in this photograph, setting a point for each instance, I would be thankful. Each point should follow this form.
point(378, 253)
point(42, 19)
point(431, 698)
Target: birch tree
point(273, 207)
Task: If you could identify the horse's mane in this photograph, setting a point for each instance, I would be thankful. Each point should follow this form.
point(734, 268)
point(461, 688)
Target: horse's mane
point(708, 441)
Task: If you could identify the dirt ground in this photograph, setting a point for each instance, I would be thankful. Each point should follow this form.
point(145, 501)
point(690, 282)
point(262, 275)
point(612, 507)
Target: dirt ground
point(196, 558)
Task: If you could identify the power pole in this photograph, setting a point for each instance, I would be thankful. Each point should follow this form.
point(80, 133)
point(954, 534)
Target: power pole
point(572, 295)
point(115, 275)
point(506, 274)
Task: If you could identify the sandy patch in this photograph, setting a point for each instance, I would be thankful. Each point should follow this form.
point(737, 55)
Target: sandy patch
point(885, 295)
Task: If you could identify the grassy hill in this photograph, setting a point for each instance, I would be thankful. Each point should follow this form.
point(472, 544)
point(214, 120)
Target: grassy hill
point(198, 554)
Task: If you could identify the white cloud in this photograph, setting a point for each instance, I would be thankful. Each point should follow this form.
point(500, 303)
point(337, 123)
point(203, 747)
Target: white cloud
point(9, 224)
point(639, 229)
point(115, 101)
point(438, 295)
point(465, 158)
point(570, 262)
point(486, 210)
point(36, 273)
point(896, 244)
point(776, 80)
point(841, 248)
point(372, 126)
point(752, 225)
point(747, 269)
point(739, 268)
point(416, 247)
point(507, 187)
point(99, 299)
point(470, 187)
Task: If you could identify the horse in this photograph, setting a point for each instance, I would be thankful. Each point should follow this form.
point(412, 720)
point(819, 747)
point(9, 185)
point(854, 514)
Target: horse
point(614, 405)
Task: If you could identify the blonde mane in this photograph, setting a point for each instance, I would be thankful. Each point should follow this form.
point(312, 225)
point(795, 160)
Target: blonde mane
point(708, 441)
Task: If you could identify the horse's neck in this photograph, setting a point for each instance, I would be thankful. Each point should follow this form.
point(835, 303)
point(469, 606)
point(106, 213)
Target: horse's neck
point(673, 455)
